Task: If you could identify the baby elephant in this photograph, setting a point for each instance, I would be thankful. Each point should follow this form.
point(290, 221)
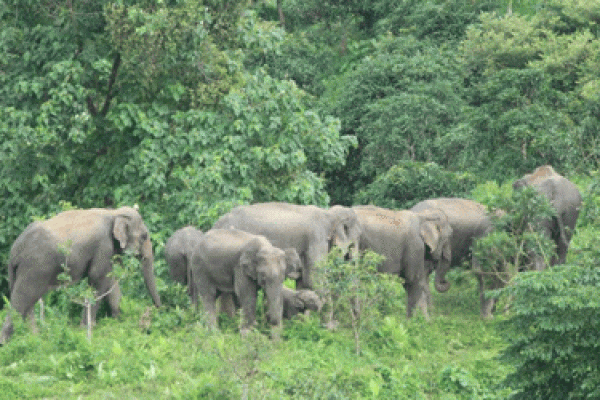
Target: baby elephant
point(231, 262)
point(178, 253)
point(298, 301)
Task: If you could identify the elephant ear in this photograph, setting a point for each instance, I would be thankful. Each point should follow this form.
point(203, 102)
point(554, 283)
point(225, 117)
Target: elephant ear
point(431, 236)
point(120, 228)
point(248, 259)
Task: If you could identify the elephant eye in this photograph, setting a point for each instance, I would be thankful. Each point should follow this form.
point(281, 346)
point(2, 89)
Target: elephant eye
point(144, 237)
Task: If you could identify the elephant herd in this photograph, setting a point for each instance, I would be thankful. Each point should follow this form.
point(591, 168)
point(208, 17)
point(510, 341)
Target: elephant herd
point(258, 246)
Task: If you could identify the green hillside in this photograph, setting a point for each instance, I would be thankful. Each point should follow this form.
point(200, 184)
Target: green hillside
point(190, 107)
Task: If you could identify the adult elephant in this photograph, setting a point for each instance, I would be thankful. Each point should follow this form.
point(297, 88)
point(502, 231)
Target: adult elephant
point(469, 220)
point(407, 240)
point(83, 241)
point(311, 230)
point(230, 261)
point(565, 198)
point(178, 254)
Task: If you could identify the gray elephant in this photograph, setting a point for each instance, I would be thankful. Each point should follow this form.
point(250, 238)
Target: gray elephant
point(230, 261)
point(298, 301)
point(565, 198)
point(407, 240)
point(311, 230)
point(84, 241)
point(178, 254)
point(469, 220)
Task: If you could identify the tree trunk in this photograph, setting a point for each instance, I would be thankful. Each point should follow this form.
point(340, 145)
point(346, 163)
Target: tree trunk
point(280, 12)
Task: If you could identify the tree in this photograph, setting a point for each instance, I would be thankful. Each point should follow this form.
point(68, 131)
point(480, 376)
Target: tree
point(400, 101)
point(105, 104)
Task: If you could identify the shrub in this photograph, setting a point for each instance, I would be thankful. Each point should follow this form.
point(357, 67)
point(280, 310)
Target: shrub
point(408, 182)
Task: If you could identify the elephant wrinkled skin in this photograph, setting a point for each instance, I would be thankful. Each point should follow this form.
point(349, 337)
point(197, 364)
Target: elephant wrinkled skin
point(230, 261)
point(85, 241)
point(178, 254)
point(311, 230)
point(566, 200)
point(406, 239)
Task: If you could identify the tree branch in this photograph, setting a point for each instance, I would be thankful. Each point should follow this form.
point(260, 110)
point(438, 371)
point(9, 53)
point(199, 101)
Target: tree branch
point(111, 82)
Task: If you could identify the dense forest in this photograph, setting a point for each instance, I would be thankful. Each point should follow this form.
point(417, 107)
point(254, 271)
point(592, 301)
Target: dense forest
point(188, 108)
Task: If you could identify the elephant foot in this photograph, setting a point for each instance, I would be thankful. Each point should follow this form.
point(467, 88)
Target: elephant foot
point(276, 333)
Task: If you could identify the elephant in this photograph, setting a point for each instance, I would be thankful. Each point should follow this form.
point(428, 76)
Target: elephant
point(565, 198)
point(469, 220)
point(230, 261)
point(83, 241)
point(311, 230)
point(178, 254)
point(298, 301)
point(407, 240)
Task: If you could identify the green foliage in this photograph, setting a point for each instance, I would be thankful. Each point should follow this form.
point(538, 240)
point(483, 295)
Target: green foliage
point(518, 238)
point(170, 353)
point(553, 331)
point(553, 335)
point(441, 21)
point(399, 101)
point(190, 107)
point(407, 183)
point(356, 292)
point(531, 94)
point(106, 104)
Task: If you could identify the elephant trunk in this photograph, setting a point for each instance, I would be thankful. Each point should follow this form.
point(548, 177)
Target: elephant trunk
point(148, 272)
point(441, 285)
point(305, 281)
point(275, 304)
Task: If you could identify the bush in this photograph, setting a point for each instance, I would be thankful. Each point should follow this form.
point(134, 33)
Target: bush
point(407, 183)
point(554, 334)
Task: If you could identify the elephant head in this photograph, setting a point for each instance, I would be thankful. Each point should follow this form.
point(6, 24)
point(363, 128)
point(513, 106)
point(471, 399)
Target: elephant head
point(293, 264)
point(436, 233)
point(345, 230)
point(298, 301)
point(265, 265)
point(133, 237)
point(543, 172)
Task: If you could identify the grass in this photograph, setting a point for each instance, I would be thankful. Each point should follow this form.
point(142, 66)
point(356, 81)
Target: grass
point(177, 357)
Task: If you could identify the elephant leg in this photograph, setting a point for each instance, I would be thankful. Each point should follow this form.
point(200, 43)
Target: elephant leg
point(562, 246)
point(227, 304)
point(416, 297)
point(208, 295)
point(246, 292)
point(316, 252)
point(7, 329)
point(105, 288)
point(114, 299)
point(26, 291)
point(248, 312)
